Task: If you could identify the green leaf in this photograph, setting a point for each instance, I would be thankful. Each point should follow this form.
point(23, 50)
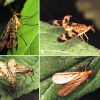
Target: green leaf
point(51, 65)
point(25, 82)
point(7, 2)
point(28, 30)
point(50, 46)
point(34, 49)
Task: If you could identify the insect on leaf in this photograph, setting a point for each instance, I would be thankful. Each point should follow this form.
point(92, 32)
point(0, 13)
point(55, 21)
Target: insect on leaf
point(73, 80)
point(25, 81)
point(10, 69)
point(52, 65)
point(50, 46)
point(8, 38)
point(28, 29)
point(61, 78)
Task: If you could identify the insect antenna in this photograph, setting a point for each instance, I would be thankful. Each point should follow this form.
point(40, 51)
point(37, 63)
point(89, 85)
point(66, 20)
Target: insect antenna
point(26, 19)
point(19, 15)
point(11, 10)
point(31, 77)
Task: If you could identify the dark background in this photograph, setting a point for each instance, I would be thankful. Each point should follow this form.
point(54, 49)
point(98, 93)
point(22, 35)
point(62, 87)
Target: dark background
point(57, 9)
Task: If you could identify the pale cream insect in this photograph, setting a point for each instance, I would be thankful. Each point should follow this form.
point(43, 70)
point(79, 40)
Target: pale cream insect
point(62, 78)
point(71, 81)
point(9, 69)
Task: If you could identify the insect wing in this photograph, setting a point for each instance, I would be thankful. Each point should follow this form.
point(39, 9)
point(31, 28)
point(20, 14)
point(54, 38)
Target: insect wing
point(73, 84)
point(12, 65)
point(1, 74)
point(62, 78)
point(9, 37)
point(11, 75)
point(21, 69)
point(67, 88)
point(4, 36)
point(3, 70)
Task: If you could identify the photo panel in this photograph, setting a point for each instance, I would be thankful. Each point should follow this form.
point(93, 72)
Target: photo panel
point(19, 32)
point(69, 78)
point(69, 27)
point(19, 77)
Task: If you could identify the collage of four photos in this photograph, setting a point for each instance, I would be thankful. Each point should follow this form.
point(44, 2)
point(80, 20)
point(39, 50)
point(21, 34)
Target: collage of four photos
point(50, 50)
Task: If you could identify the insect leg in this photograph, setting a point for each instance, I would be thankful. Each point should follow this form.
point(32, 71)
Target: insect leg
point(23, 82)
point(81, 36)
point(22, 37)
point(86, 37)
point(31, 77)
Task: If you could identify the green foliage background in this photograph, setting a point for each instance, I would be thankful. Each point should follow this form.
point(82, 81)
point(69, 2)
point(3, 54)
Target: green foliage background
point(51, 65)
point(23, 86)
point(6, 2)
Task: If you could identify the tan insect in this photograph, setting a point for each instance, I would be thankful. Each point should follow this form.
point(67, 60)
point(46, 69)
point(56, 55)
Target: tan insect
point(8, 38)
point(21, 69)
point(10, 69)
point(73, 30)
point(71, 81)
